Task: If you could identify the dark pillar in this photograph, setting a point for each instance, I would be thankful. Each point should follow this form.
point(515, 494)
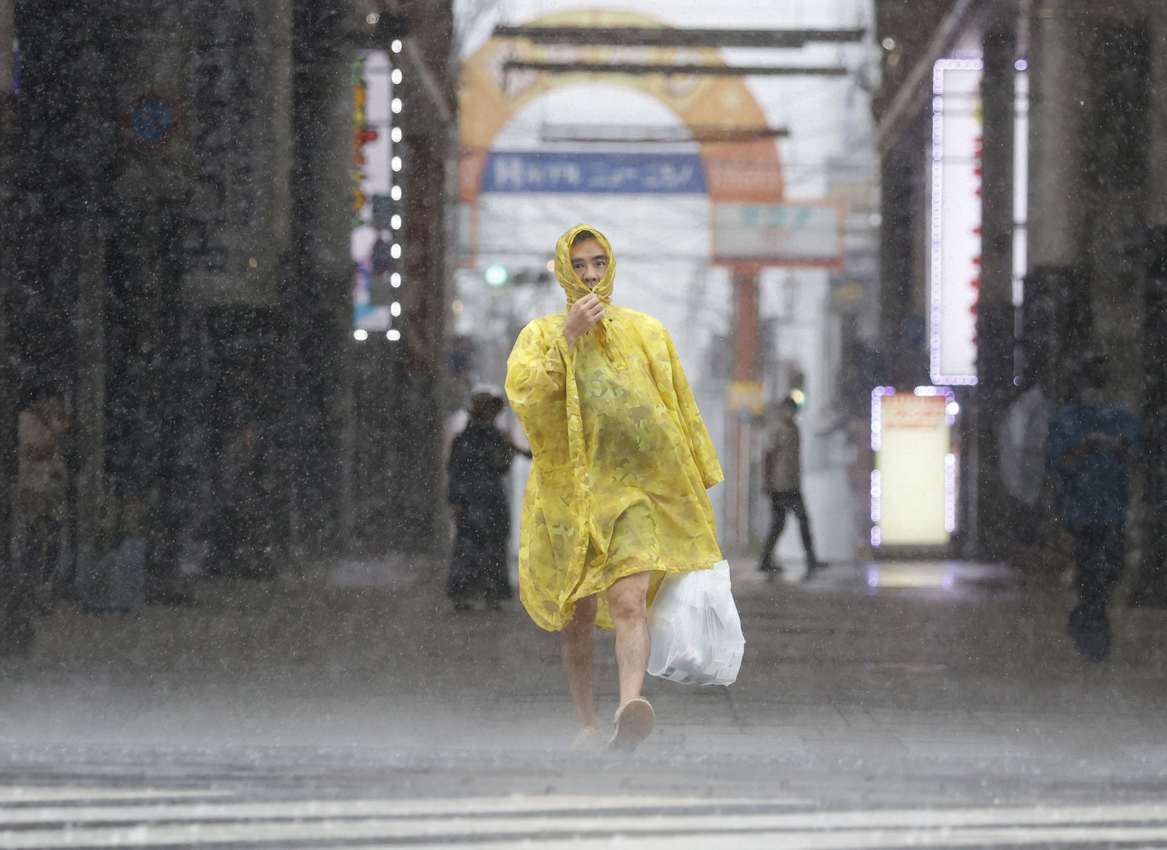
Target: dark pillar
point(1150, 586)
point(8, 395)
point(429, 124)
point(902, 340)
point(69, 137)
point(89, 392)
point(995, 304)
point(895, 261)
point(1056, 325)
point(317, 300)
point(1056, 128)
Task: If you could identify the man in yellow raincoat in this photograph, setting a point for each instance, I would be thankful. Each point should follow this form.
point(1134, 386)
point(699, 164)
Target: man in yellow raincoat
point(617, 494)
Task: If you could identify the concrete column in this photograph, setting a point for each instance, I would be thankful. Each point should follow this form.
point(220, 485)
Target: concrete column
point(995, 305)
point(746, 377)
point(7, 42)
point(430, 139)
point(318, 296)
point(1056, 312)
point(67, 151)
point(1157, 154)
point(87, 230)
point(237, 124)
point(896, 251)
point(1151, 584)
point(8, 397)
point(152, 193)
point(89, 391)
point(1057, 91)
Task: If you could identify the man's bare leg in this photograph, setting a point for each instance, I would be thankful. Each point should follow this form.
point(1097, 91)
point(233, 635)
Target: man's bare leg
point(627, 601)
point(575, 647)
point(628, 604)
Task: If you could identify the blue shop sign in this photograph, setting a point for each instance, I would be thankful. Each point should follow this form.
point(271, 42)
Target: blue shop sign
point(594, 173)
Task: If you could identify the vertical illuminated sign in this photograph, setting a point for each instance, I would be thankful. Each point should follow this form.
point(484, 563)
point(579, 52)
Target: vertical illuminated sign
point(955, 267)
point(1020, 181)
point(376, 196)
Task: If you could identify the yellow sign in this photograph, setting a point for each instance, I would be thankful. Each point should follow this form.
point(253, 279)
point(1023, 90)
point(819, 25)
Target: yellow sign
point(746, 395)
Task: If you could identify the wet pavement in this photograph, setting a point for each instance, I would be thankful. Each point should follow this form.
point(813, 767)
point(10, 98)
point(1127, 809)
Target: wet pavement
point(879, 705)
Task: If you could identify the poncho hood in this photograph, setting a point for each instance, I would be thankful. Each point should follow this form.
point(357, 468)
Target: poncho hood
point(569, 280)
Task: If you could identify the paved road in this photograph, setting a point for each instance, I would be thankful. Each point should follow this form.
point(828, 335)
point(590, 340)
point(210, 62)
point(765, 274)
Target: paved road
point(910, 704)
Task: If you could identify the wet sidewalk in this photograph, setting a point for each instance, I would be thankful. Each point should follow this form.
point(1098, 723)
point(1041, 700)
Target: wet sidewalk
point(931, 679)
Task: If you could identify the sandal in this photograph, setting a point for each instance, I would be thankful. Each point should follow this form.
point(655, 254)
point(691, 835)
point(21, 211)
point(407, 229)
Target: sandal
point(634, 722)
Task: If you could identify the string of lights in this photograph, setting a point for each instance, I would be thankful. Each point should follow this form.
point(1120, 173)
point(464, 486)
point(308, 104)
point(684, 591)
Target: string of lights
point(378, 219)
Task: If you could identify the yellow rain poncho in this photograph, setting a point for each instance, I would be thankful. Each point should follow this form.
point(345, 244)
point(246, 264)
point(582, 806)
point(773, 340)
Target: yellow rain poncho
point(622, 459)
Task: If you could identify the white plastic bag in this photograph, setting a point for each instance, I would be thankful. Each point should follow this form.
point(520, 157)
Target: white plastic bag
point(695, 629)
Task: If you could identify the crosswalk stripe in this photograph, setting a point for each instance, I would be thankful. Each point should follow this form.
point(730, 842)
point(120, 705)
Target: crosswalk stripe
point(1135, 837)
point(754, 812)
point(403, 808)
point(63, 794)
point(823, 829)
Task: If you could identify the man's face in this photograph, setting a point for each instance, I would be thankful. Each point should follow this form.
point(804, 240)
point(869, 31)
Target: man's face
point(589, 262)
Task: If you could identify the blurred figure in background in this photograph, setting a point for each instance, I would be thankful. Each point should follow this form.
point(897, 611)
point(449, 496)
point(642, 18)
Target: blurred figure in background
point(28, 590)
point(41, 484)
point(480, 457)
point(1021, 434)
point(1088, 452)
point(240, 542)
point(782, 470)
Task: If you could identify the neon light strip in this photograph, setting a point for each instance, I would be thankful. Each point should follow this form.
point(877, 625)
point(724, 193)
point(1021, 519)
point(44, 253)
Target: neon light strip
point(950, 493)
point(877, 395)
point(1020, 182)
point(876, 492)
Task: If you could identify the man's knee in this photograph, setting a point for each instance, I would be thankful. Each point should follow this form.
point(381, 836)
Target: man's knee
point(583, 620)
point(628, 603)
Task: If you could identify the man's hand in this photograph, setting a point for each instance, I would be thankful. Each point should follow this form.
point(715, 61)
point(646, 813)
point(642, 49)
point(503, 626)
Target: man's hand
point(582, 317)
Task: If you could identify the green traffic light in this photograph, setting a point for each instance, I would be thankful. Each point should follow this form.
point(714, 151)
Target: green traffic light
point(496, 275)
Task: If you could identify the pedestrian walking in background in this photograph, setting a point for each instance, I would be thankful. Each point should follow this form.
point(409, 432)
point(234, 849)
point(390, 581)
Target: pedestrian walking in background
point(617, 494)
point(240, 543)
point(1021, 437)
point(1091, 444)
point(480, 457)
point(29, 586)
point(782, 471)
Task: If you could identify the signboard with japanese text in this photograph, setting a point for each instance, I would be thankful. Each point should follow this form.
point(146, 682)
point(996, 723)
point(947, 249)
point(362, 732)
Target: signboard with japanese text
point(778, 234)
point(593, 173)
